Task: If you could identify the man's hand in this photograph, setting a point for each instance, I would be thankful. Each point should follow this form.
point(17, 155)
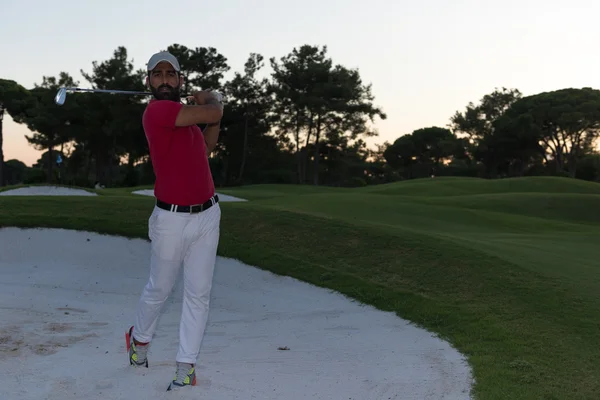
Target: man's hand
point(205, 97)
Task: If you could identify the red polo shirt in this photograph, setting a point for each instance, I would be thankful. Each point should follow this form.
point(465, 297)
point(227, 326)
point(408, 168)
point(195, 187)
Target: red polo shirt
point(178, 155)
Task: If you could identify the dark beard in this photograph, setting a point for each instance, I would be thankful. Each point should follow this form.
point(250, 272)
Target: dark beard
point(173, 93)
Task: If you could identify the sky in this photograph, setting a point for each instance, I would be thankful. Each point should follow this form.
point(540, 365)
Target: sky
point(425, 60)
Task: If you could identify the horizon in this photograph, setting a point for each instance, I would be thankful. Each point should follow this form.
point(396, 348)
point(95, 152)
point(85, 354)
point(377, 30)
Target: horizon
point(446, 56)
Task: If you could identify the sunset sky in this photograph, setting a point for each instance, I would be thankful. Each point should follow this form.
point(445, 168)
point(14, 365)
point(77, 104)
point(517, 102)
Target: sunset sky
point(424, 61)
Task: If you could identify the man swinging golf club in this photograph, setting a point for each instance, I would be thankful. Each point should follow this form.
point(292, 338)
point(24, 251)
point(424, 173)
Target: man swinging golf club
point(184, 224)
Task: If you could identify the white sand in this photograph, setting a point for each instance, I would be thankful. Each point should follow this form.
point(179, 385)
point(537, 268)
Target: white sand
point(68, 297)
point(222, 197)
point(46, 191)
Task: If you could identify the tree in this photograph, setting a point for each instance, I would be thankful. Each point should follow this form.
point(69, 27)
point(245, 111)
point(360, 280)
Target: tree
point(476, 123)
point(588, 167)
point(345, 163)
point(561, 126)
point(436, 145)
point(113, 129)
point(202, 68)
point(378, 169)
point(14, 99)
point(400, 155)
point(429, 148)
point(52, 125)
point(314, 97)
point(290, 83)
point(342, 107)
point(15, 172)
point(246, 118)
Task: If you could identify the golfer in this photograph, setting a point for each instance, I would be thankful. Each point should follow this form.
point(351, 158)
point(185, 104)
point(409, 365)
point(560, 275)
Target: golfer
point(184, 225)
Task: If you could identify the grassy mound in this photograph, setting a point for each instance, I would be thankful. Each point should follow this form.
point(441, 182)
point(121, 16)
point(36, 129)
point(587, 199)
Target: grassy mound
point(510, 278)
point(452, 186)
point(566, 207)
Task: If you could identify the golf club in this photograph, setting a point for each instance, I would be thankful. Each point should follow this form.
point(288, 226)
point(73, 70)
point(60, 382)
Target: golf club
point(61, 95)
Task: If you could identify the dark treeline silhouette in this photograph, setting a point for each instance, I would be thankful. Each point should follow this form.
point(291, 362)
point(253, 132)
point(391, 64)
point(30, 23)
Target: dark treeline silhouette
point(304, 124)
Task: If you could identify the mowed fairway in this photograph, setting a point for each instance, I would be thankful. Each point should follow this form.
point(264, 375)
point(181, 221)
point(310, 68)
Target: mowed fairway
point(507, 271)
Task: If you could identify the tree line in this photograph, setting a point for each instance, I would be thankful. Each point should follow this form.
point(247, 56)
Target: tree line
point(508, 135)
point(305, 123)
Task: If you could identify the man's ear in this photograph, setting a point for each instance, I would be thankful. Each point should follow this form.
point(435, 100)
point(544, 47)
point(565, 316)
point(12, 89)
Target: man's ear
point(147, 81)
point(181, 80)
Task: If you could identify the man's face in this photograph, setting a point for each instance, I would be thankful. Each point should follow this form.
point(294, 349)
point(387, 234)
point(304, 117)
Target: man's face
point(164, 82)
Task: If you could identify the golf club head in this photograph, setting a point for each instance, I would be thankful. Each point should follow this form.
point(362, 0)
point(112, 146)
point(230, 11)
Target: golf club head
point(60, 97)
point(217, 94)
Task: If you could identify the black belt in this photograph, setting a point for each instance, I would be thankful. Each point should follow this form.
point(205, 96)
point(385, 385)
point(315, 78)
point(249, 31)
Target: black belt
point(196, 208)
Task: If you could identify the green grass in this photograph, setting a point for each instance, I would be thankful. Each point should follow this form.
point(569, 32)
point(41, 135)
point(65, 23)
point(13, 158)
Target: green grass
point(258, 192)
point(506, 271)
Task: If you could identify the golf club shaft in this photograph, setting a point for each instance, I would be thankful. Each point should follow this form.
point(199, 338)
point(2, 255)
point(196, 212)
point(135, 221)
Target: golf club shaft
point(119, 91)
point(107, 91)
point(62, 93)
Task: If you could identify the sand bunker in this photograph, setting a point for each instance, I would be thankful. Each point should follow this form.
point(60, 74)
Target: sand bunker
point(46, 191)
point(67, 298)
point(222, 197)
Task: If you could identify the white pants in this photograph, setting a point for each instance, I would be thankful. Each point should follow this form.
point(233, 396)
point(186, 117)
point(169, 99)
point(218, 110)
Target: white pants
point(179, 239)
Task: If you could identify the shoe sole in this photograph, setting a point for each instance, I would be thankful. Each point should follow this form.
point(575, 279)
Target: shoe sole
point(171, 385)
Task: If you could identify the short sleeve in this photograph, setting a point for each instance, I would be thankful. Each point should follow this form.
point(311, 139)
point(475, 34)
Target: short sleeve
point(162, 113)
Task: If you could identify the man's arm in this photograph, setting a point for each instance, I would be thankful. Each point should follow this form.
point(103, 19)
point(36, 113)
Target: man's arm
point(211, 136)
point(199, 114)
point(211, 133)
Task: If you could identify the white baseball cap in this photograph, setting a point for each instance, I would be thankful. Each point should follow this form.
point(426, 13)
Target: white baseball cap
point(163, 56)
